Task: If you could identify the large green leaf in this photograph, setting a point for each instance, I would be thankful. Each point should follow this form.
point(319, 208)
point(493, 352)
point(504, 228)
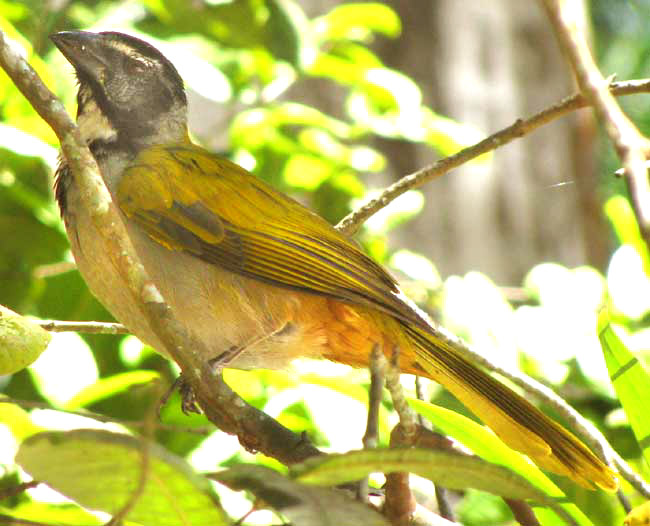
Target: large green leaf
point(21, 341)
point(630, 380)
point(449, 469)
point(101, 470)
point(488, 446)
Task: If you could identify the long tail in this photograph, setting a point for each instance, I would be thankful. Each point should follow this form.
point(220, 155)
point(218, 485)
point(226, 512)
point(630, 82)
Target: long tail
point(517, 422)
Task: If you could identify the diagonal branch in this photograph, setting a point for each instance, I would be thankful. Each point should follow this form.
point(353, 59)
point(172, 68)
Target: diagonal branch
point(631, 146)
point(521, 127)
point(221, 405)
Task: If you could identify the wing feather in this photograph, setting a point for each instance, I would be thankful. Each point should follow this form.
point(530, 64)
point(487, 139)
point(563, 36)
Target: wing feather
point(188, 199)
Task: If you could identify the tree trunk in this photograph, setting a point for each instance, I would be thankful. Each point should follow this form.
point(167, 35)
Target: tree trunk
point(487, 64)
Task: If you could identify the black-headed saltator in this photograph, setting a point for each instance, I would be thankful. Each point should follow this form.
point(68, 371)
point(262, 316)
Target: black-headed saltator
point(245, 267)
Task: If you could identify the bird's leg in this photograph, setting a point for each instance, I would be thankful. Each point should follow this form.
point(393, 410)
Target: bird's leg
point(188, 401)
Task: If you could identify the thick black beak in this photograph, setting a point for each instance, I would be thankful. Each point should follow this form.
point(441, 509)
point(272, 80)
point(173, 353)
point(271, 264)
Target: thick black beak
point(84, 50)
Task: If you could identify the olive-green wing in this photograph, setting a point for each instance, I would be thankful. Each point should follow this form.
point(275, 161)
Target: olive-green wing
point(188, 199)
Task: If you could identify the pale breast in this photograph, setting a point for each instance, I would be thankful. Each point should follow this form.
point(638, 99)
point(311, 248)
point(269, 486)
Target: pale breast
point(225, 310)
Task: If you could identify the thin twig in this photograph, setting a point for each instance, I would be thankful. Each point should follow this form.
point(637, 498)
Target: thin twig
point(353, 221)
point(625, 502)
point(407, 420)
point(522, 511)
point(631, 146)
point(87, 327)
point(53, 269)
point(444, 506)
point(399, 503)
point(371, 436)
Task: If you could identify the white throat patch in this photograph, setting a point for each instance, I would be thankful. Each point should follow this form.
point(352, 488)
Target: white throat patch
point(93, 124)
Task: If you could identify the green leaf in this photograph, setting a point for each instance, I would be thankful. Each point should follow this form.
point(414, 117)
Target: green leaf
point(46, 513)
point(357, 21)
point(449, 469)
point(17, 420)
point(21, 341)
point(488, 446)
point(630, 380)
point(307, 171)
point(272, 24)
point(639, 516)
point(100, 470)
point(620, 213)
point(107, 387)
point(302, 505)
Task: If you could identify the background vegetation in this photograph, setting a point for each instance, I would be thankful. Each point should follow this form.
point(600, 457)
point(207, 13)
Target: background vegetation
point(250, 66)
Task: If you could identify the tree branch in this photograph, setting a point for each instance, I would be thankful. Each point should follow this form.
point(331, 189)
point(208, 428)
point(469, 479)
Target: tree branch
point(221, 405)
point(631, 146)
point(87, 327)
point(351, 223)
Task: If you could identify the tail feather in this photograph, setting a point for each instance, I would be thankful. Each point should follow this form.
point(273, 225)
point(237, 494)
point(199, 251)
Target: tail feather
point(515, 420)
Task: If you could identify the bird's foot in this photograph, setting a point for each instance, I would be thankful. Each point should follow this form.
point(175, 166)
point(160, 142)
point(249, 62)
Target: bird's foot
point(188, 400)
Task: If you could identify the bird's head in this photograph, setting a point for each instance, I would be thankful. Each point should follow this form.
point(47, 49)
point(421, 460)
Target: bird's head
point(130, 96)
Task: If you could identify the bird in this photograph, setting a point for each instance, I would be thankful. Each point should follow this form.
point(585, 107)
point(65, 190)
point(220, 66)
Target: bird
point(254, 275)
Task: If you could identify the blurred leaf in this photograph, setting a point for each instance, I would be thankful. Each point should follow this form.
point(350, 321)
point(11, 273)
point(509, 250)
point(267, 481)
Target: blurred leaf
point(339, 384)
point(17, 419)
point(553, 284)
point(27, 145)
point(639, 516)
point(273, 24)
point(479, 508)
point(488, 446)
point(198, 74)
point(302, 505)
point(398, 211)
point(357, 21)
point(602, 508)
point(100, 470)
point(15, 107)
point(449, 136)
point(67, 366)
point(620, 213)
point(417, 267)
point(21, 341)
point(107, 387)
point(631, 382)
point(45, 513)
point(476, 308)
point(306, 171)
point(628, 283)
